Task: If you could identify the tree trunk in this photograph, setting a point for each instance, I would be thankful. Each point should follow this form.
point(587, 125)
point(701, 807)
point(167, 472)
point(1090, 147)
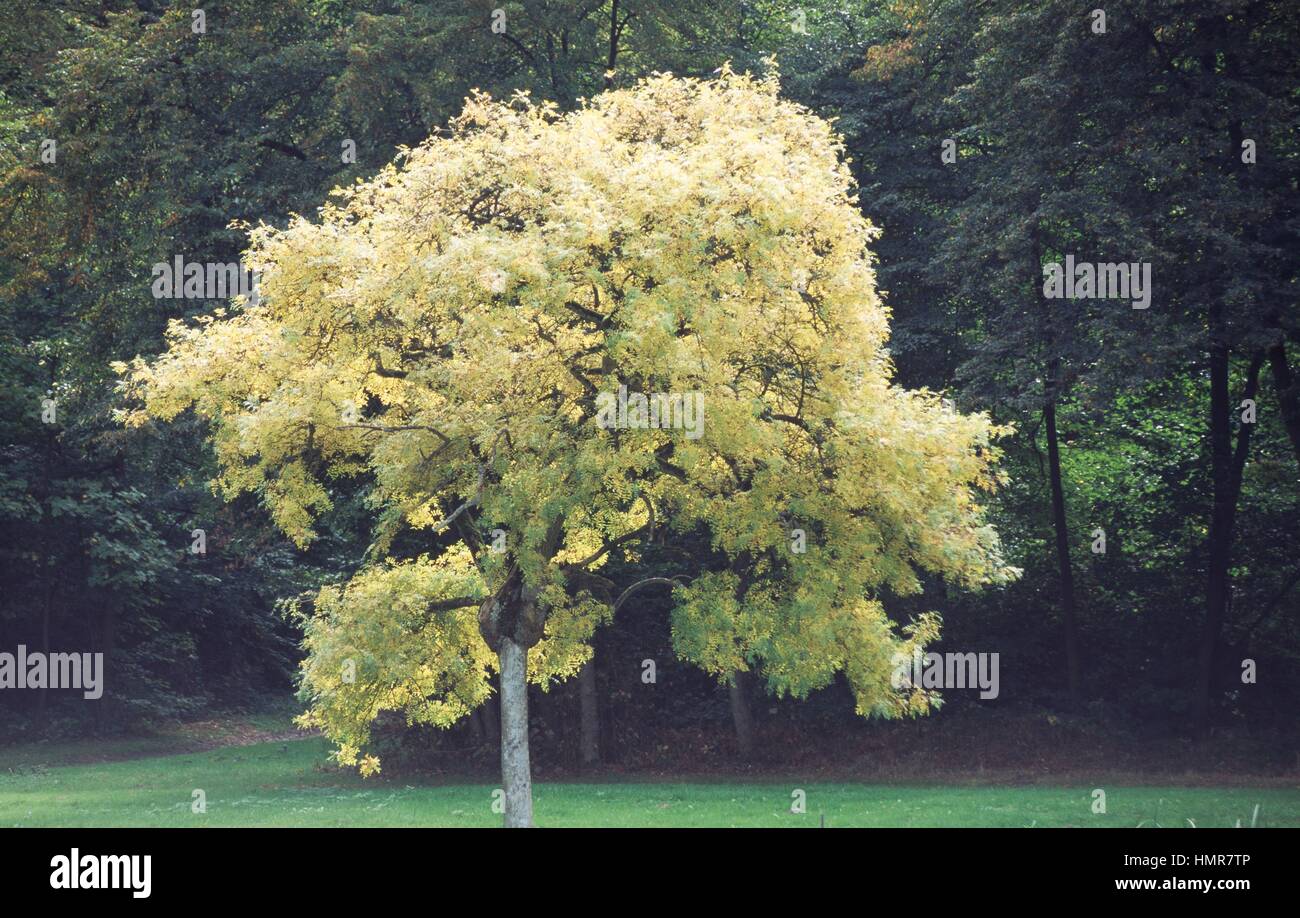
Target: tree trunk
point(1216, 591)
point(740, 715)
point(47, 613)
point(108, 638)
point(589, 705)
point(491, 723)
point(1288, 393)
point(1061, 525)
point(1227, 467)
point(516, 775)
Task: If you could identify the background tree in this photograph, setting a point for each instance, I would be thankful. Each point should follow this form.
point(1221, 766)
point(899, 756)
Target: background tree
point(1078, 112)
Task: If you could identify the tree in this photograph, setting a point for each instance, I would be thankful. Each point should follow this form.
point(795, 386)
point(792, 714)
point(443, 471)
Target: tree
point(483, 330)
point(1104, 167)
point(155, 165)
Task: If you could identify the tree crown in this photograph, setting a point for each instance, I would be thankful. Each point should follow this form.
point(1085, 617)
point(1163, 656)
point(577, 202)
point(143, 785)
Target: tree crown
point(465, 330)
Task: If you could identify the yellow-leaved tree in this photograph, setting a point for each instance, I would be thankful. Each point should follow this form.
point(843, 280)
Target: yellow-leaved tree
point(544, 336)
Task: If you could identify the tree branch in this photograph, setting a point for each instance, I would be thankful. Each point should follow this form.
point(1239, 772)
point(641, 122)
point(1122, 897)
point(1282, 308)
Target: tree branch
point(287, 149)
point(382, 428)
point(649, 581)
point(380, 370)
point(648, 528)
point(460, 602)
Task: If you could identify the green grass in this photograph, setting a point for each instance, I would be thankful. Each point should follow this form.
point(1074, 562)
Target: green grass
point(275, 721)
point(292, 784)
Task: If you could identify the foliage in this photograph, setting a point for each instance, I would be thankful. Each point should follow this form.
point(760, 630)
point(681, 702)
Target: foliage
point(676, 237)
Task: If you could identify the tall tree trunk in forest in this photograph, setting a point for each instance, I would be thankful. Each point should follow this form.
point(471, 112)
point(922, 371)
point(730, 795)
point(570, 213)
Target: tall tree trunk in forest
point(47, 613)
point(589, 711)
point(1287, 388)
point(47, 560)
point(1054, 391)
point(740, 714)
point(1216, 592)
point(107, 640)
point(516, 774)
point(1061, 525)
point(1227, 466)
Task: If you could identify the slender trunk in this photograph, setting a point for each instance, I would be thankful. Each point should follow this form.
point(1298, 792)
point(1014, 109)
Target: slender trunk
point(516, 775)
point(108, 637)
point(511, 621)
point(1227, 467)
point(1216, 591)
point(491, 723)
point(1055, 390)
point(110, 630)
point(740, 715)
point(1288, 393)
point(1060, 524)
point(589, 704)
point(46, 613)
point(47, 562)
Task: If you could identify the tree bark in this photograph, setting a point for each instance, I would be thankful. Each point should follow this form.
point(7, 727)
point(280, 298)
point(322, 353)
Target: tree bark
point(589, 705)
point(740, 714)
point(510, 621)
point(516, 774)
point(1061, 525)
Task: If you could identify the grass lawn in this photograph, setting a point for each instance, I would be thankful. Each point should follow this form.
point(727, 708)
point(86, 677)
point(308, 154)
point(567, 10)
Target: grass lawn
point(291, 783)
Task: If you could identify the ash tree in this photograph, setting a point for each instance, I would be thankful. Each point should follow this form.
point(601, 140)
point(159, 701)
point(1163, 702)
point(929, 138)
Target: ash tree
point(454, 331)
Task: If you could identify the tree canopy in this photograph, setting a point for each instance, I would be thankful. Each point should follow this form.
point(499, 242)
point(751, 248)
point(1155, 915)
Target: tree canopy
point(449, 327)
